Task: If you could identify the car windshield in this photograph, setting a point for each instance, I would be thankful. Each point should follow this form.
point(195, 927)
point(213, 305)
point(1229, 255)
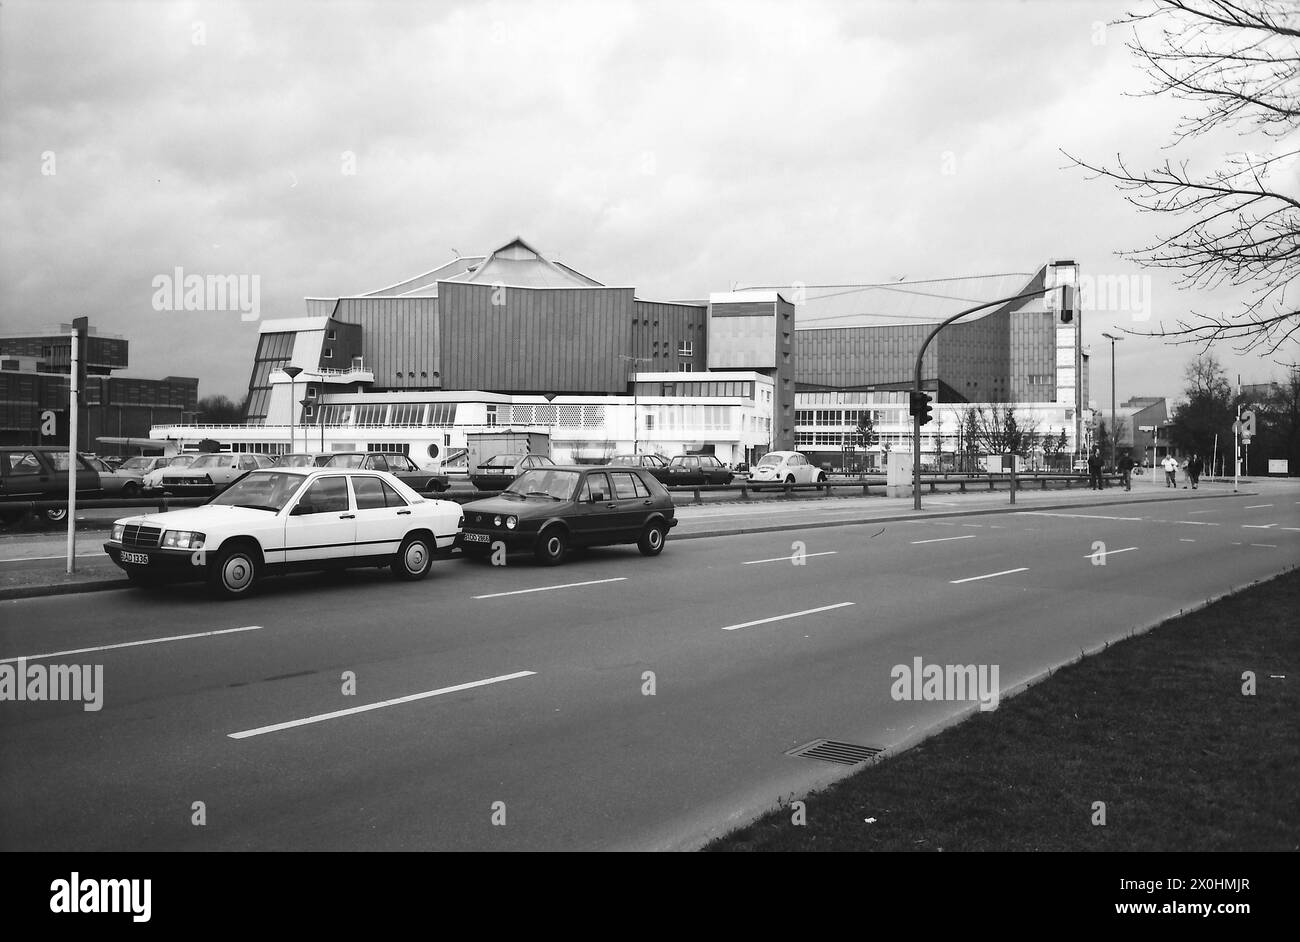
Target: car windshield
point(346, 461)
point(136, 464)
point(181, 461)
point(503, 461)
point(557, 485)
point(211, 461)
point(296, 461)
point(770, 461)
point(261, 490)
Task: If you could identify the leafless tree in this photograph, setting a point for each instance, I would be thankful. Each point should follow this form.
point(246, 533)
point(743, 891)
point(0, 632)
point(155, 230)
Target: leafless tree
point(1237, 64)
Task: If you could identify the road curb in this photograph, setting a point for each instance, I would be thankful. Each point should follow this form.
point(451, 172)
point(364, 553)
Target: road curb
point(74, 588)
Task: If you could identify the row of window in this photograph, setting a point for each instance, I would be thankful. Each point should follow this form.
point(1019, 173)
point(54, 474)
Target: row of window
point(394, 413)
point(701, 389)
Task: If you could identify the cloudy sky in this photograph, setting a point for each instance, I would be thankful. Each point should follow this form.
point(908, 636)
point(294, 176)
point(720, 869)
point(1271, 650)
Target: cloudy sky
point(333, 148)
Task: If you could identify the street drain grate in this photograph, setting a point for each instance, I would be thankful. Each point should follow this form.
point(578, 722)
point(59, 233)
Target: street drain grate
point(841, 753)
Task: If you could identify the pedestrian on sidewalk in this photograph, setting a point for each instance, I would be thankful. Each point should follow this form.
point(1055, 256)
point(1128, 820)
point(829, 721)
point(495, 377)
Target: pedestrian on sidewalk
point(1094, 470)
point(1170, 464)
point(1194, 469)
point(1126, 465)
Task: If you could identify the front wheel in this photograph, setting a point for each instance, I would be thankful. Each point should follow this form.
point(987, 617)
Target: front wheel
point(821, 482)
point(652, 538)
point(414, 557)
point(552, 545)
point(234, 573)
point(130, 490)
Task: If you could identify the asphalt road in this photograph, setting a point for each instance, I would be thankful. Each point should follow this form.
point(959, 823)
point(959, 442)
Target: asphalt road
point(757, 644)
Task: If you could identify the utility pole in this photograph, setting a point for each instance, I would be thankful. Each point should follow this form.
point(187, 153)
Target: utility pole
point(636, 429)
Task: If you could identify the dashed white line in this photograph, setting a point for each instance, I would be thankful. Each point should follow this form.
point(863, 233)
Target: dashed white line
point(778, 559)
point(1185, 540)
point(130, 644)
point(764, 621)
point(1199, 523)
point(1005, 572)
point(944, 539)
point(1258, 526)
point(1258, 506)
point(321, 717)
point(548, 588)
point(1104, 553)
point(977, 525)
point(1265, 545)
point(1044, 513)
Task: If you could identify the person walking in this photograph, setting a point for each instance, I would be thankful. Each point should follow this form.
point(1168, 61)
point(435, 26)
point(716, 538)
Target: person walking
point(1094, 470)
point(1125, 466)
point(1170, 464)
point(1194, 469)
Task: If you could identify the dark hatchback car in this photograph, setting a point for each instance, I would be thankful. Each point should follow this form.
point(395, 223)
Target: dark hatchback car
point(652, 463)
point(499, 470)
point(33, 472)
point(396, 464)
point(695, 469)
point(549, 510)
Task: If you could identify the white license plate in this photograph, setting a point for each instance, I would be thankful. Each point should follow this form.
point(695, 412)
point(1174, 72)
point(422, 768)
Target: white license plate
point(477, 538)
point(140, 559)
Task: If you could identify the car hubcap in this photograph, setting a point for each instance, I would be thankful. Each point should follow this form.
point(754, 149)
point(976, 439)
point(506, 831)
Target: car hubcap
point(553, 546)
point(56, 515)
point(238, 572)
point(415, 557)
point(655, 539)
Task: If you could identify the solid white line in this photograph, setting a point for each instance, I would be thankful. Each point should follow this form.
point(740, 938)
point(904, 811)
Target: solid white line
point(27, 559)
point(764, 621)
point(945, 539)
point(321, 717)
point(1106, 553)
point(548, 588)
point(777, 559)
point(130, 644)
point(1005, 572)
point(1258, 506)
point(1044, 513)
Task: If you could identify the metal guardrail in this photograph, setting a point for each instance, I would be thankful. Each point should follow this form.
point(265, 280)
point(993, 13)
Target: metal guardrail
point(962, 481)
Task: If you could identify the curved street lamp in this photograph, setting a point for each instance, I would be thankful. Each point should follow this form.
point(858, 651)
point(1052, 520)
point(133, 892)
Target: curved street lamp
point(292, 372)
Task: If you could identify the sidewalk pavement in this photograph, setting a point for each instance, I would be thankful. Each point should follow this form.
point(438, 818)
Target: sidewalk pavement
point(33, 565)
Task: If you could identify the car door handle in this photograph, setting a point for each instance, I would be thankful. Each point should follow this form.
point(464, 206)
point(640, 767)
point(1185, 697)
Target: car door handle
point(347, 516)
point(611, 505)
point(401, 512)
point(647, 502)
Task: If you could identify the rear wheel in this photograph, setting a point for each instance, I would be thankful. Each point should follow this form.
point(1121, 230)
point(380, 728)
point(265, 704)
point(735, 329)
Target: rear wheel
point(234, 573)
point(130, 490)
point(652, 539)
point(54, 516)
point(552, 545)
point(413, 559)
point(821, 482)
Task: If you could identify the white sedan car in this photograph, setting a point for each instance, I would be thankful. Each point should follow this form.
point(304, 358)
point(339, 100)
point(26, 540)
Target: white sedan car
point(287, 519)
point(785, 467)
point(154, 477)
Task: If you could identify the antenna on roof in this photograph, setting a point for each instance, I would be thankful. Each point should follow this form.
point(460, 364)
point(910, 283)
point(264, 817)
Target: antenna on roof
point(455, 252)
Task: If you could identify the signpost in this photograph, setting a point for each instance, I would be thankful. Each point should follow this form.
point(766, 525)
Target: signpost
point(80, 329)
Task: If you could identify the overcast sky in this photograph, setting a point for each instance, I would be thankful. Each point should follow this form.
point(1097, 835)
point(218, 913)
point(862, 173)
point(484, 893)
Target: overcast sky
point(334, 148)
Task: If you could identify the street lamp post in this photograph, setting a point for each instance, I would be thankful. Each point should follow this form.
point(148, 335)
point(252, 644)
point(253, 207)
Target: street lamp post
point(306, 445)
point(1114, 437)
point(292, 372)
point(636, 429)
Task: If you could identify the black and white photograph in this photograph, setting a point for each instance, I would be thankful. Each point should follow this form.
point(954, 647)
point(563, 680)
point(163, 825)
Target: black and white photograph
point(651, 426)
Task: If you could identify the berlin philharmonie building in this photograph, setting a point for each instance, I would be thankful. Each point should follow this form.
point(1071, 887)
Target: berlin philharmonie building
point(515, 340)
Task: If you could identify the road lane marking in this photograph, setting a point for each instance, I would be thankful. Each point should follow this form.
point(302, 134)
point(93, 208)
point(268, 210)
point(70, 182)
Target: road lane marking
point(1265, 545)
point(1199, 523)
point(1104, 553)
point(939, 523)
point(32, 559)
point(1192, 513)
point(130, 644)
point(321, 717)
point(1044, 513)
point(1005, 572)
point(1185, 540)
point(972, 525)
point(944, 539)
point(548, 588)
point(1258, 506)
point(764, 621)
point(1258, 526)
point(777, 559)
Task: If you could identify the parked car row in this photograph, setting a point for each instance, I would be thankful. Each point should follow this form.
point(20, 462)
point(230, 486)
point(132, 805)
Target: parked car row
point(284, 519)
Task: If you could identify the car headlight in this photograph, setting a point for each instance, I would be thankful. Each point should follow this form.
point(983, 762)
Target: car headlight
point(183, 539)
point(116, 535)
point(511, 522)
point(496, 521)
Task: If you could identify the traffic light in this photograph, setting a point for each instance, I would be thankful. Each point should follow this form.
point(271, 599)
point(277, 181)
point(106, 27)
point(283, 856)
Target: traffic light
point(919, 405)
point(1068, 300)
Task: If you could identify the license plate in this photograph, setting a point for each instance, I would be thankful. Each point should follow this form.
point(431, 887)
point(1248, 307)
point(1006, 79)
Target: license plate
point(139, 559)
point(477, 538)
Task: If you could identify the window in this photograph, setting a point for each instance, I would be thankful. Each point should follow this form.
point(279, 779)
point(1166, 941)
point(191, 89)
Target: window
point(641, 489)
point(491, 414)
point(326, 495)
point(377, 463)
point(649, 421)
point(686, 368)
point(624, 489)
point(311, 392)
point(329, 353)
point(308, 412)
point(686, 348)
point(329, 335)
point(596, 487)
point(369, 493)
